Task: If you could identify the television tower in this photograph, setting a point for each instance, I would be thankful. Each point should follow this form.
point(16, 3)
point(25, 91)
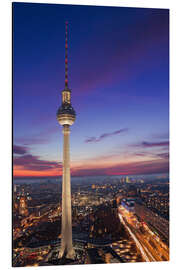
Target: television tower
point(66, 117)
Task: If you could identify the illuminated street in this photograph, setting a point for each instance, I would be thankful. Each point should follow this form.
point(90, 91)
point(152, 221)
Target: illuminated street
point(149, 244)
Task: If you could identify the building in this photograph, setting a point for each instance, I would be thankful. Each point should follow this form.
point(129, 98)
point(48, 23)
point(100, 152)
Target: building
point(127, 179)
point(157, 223)
point(128, 204)
point(23, 211)
point(131, 191)
point(66, 117)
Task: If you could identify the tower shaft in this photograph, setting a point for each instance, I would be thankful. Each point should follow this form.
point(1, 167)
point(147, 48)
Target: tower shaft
point(66, 226)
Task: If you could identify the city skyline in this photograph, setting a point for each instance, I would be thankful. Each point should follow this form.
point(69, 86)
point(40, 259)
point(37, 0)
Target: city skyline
point(119, 73)
point(113, 220)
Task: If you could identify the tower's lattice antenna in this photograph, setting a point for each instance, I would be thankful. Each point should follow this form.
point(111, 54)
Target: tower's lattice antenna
point(66, 57)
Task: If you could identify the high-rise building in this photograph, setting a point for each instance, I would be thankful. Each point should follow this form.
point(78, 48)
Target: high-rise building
point(66, 117)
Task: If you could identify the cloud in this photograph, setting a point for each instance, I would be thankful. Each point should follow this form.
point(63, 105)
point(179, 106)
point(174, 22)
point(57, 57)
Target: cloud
point(20, 150)
point(163, 155)
point(33, 140)
point(146, 167)
point(26, 161)
point(141, 154)
point(154, 155)
point(31, 162)
point(145, 144)
point(161, 136)
point(105, 135)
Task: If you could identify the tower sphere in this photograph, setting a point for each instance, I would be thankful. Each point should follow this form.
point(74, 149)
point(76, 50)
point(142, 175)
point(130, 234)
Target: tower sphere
point(66, 114)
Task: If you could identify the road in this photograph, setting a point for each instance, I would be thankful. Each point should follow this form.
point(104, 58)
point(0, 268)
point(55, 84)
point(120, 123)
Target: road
point(150, 245)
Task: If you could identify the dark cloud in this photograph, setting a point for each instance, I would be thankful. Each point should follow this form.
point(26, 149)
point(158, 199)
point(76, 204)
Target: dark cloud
point(163, 155)
point(20, 150)
point(105, 135)
point(145, 144)
point(159, 155)
point(141, 154)
point(30, 162)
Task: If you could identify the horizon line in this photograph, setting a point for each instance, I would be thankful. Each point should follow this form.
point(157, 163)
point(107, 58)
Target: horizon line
point(60, 176)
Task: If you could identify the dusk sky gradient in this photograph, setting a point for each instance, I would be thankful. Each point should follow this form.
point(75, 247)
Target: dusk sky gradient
point(119, 76)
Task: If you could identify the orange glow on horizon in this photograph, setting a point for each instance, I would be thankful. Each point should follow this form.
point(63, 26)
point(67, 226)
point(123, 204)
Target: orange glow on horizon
point(28, 173)
point(99, 168)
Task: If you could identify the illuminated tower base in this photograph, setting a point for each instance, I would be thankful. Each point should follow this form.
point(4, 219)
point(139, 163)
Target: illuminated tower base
point(66, 230)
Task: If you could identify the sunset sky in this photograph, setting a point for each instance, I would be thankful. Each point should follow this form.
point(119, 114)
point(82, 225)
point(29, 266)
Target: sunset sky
point(119, 76)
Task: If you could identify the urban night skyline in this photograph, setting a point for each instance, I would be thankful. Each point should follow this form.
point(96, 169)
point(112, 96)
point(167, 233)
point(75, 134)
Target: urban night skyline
point(90, 101)
point(119, 76)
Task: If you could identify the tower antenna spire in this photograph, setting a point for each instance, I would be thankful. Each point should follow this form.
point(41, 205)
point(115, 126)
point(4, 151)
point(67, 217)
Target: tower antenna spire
point(66, 56)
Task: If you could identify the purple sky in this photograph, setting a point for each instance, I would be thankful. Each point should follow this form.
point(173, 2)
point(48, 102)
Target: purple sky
point(119, 76)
